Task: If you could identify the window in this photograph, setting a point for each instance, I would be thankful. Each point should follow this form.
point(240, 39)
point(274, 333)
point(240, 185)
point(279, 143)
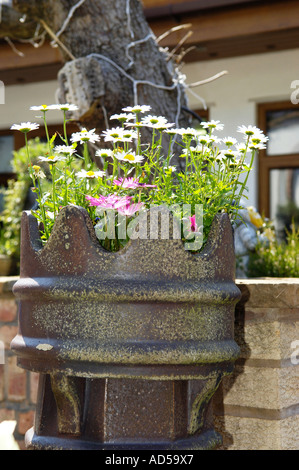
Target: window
point(197, 116)
point(278, 184)
point(6, 149)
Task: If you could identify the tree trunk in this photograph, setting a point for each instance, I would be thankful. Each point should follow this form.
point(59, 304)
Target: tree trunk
point(110, 52)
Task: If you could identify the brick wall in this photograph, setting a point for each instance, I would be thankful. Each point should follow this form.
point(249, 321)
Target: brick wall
point(18, 388)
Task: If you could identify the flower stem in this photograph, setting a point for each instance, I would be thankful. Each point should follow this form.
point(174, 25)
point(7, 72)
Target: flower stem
point(53, 189)
point(64, 128)
point(43, 212)
point(47, 133)
point(86, 156)
point(28, 157)
point(247, 175)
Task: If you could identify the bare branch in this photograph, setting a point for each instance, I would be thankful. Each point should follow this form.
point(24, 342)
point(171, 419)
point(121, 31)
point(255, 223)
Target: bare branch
point(173, 30)
point(208, 80)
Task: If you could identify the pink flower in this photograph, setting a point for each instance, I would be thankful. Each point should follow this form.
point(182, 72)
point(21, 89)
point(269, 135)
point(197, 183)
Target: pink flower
point(131, 183)
point(93, 201)
point(123, 204)
point(130, 209)
point(127, 183)
point(109, 202)
point(193, 226)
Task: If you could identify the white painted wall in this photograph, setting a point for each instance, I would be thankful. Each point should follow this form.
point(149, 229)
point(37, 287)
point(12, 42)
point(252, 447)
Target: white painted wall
point(232, 99)
point(19, 99)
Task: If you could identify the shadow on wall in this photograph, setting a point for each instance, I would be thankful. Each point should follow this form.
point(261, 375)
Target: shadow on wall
point(228, 382)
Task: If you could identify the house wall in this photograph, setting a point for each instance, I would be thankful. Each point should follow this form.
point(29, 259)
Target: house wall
point(19, 99)
point(231, 99)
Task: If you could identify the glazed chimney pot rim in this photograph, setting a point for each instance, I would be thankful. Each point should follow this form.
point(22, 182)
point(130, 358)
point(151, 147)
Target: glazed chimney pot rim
point(73, 249)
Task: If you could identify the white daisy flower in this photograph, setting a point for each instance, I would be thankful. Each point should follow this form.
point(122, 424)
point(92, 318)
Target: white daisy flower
point(204, 140)
point(156, 122)
point(259, 139)
point(25, 127)
point(64, 149)
point(249, 130)
point(186, 151)
point(129, 157)
point(229, 141)
point(44, 107)
point(191, 132)
point(67, 107)
point(85, 136)
point(137, 109)
point(220, 158)
point(170, 168)
point(229, 153)
point(104, 153)
point(123, 117)
point(118, 134)
point(213, 125)
point(241, 148)
point(214, 139)
point(52, 159)
point(90, 174)
point(38, 172)
point(256, 146)
point(174, 131)
point(112, 135)
point(129, 135)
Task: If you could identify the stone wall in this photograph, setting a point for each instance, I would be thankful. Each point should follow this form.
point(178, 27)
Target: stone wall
point(256, 408)
point(18, 388)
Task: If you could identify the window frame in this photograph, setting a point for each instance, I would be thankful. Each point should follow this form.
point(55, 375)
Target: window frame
point(266, 163)
point(4, 177)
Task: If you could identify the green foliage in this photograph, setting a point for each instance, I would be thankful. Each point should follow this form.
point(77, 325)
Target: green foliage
point(20, 159)
point(14, 199)
point(137, 175)
point(274, 259)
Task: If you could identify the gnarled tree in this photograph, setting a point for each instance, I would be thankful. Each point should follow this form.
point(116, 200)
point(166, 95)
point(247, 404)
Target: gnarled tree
point(112, 58)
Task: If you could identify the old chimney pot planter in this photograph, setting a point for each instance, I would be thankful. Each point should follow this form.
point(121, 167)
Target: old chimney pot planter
point(132, 345)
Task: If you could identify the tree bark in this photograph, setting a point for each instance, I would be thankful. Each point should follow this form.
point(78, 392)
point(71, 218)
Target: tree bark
point(109, 52)
point(14, 25)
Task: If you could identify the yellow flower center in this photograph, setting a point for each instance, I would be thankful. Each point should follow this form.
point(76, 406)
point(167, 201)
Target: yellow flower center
point(90, 173)
point(44, 106)
point(129, 157)
point(36, 167)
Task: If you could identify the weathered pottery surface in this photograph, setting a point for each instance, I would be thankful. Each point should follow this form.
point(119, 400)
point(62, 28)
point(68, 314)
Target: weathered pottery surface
point(132, 345)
